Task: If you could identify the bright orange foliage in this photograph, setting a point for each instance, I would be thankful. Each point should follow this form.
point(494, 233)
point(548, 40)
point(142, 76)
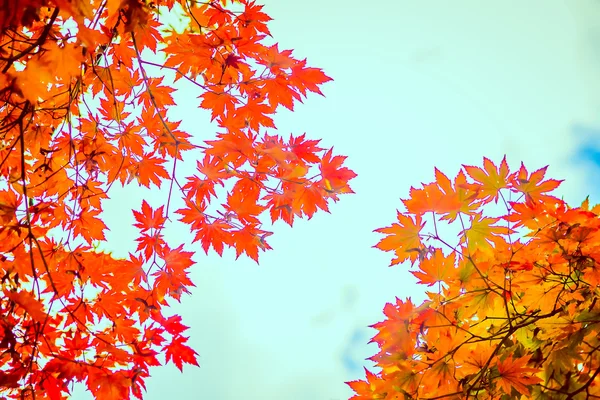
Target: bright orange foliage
point(85, 86)
point(514, 313)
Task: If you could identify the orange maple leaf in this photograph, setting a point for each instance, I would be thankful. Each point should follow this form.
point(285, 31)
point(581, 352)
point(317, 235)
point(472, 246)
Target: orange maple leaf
point(483, 233)
point(280, 206)
point(491, 179)
point(532, 185)
point(215, 234)
point(365, 390)
point(192, 214)
point(436, 268)
point(88, 225)
point(403, 238)
point(431, 199)
point(334, 174)
point(255, 18)
point(308, 199)
point(277, 60)
point(514, 373)
point(466, 196)
point(150, 170)
point(220, 103)
point(156, 94)
point(249, 240)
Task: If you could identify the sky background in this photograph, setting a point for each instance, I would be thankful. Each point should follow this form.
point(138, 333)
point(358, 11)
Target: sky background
point(416, 85)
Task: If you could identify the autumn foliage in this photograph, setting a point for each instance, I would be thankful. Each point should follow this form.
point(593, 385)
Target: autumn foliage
point(85, 92)
point(513, 308)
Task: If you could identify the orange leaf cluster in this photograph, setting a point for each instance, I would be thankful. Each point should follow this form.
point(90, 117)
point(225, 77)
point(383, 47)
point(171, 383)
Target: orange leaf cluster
point(85, 86)
point(514, 312)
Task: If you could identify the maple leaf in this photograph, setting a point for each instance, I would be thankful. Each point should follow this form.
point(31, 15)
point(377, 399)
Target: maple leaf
point(513, 373)
point(173, 325)
point(131, 140)
point(395, 332)
point(177, 260)
point(255, 18)
point(105, 385)
point(53, 387)
point(465, 196)
point(77, 9)
point(304, 149)
point(531, 185)
point(334, 174)
point(234, 147)
point(308, 199)
point(490, 179)
point(277, 60)
point(148, 218)
point(279, 92)
point(256, 114)
point(150, 244)
point(280, 206)
point(214, 170)
point(150, 170)
point(482, 233)
point(232, 60)
point(248, 240)
point(242, 201)
point(113, 110)
point(432, 199)
point(478, 359)
point(403, 238)
point(220, 103)
point(88, 225)
point(275, 151)
point(531, 214)
point(306, 78)
point(192, 214)
point(26, 300)
point(178, 352)
point(9, 380)
point(366, 389)
point(67, 58)
point(124, 329)
point(156, 94)
point(173, 279)
point(9, 203)
point(215, 234)
point(542, 295)
point(436, 268)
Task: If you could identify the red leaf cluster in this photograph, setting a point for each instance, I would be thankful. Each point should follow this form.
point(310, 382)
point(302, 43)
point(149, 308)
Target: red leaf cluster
point(85, 89)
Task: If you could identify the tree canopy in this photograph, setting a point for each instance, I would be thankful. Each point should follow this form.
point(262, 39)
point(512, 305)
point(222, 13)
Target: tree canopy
point(512, 309)
point(85, 90)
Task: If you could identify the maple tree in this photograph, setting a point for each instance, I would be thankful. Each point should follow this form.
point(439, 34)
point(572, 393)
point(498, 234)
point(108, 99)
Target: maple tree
point(512, 309)
point(85, 90)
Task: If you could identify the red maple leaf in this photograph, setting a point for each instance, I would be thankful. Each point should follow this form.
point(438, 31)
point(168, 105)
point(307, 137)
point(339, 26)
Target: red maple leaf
point(148, 218)
point(178, 352)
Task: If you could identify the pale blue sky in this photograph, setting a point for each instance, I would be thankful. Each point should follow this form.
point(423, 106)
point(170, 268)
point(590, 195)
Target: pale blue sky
point(416, 85)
